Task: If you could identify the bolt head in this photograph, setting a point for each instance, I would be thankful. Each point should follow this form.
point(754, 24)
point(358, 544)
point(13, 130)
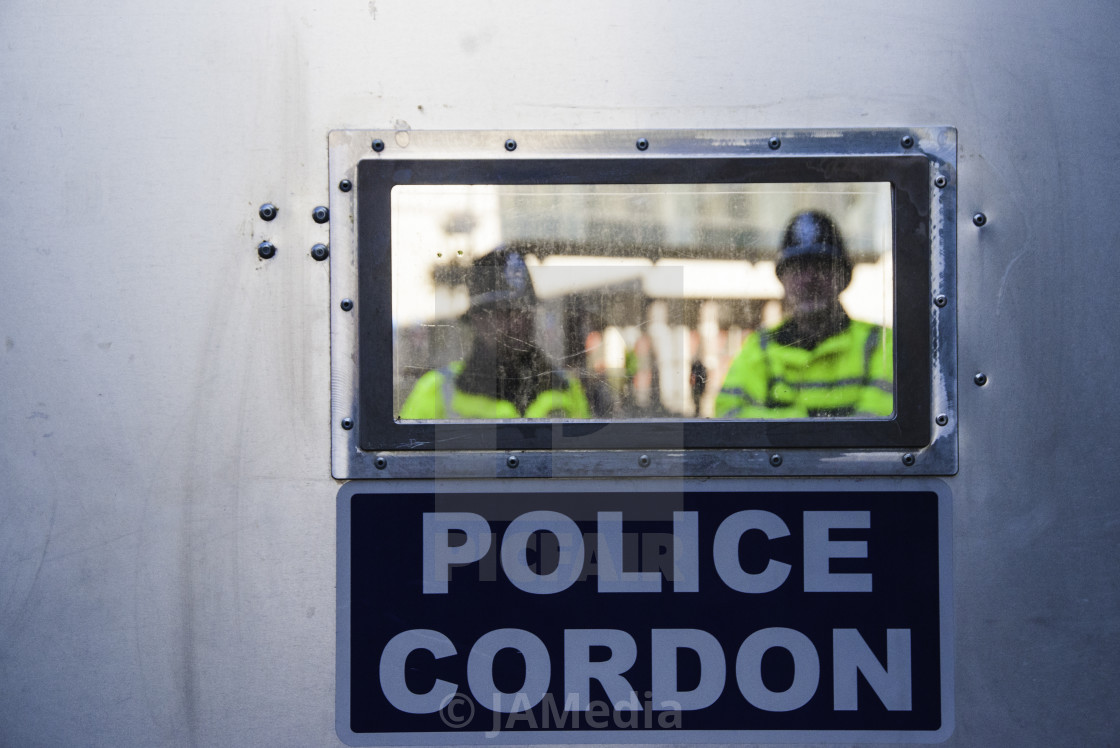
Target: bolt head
point(942, 419)
point(775, 143)
point(268, 211)
point(320, 252)
point(643, 461)
point(940, 181)
point(776, 460)
point(907, 141)
point(941, 300)
point(979, 219)
point(346, 305)
point(266, 250)
point(511, 145)
point(907, 459)
point(320, 214)
point(345, 185)
point(380, 463)
point(980, 379)
point(642, 144)
point(378, 145)
point(347, 423)
point(512, 461)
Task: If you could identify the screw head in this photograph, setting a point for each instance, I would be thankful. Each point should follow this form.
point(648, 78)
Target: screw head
point(941, 300)
point(980, 379)
point(940, 181)
point(268, 211)
point(380, 463)
point(345, 185)
point(979, 219)
point(266, 250)
point(320, 214)
point(346, 305)
point(775, 143)
point(378, 145)
point(512, 461)
point(643, 461)
point(907, 459)
point(642, 144)
point(942, 419)
point(511, 145)
point(776, 460)
point(907, 141)
point(347, 423)
point(320, 252)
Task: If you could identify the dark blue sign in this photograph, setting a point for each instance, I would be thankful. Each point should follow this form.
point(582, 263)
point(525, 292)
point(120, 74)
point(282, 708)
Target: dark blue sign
point(551, 616)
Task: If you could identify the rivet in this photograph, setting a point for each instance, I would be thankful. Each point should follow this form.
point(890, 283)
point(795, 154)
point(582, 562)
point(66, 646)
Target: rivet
point(941, 300)
point(942, 419)
point(266, 250)
point(268, 211)
point(775, 143)
point(776, 460)
point(642, 144)
point(346, 305)
point(643, 461)
point(345, 185)
point(347, 423)
point(320, 214)
point(980, 379)
point(512, 461)
point(907, 459)
point(907, 141)
point(380, 463)
point(511, 145)
point(940, 181)
point(979, 219)
point(378, 145)
point(320, 252)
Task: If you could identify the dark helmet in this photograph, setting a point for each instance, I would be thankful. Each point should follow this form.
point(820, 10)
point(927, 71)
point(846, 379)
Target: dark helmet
point(812, 235)
point(500, 277)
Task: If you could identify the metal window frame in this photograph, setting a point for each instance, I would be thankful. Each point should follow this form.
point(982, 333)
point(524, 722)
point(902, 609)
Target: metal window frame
point(920, 164)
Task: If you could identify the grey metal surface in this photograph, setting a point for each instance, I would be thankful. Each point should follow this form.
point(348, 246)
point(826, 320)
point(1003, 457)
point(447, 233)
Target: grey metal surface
point(348, 147)
point(167, 537)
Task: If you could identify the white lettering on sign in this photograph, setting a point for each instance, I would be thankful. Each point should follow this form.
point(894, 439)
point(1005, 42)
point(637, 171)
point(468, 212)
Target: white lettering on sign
point(515, 546)
point(713, 667)
point(565, 554)
point(819, 550)
point(440, 555)
point(570, 551)
point(726, 552)
point(851, 656)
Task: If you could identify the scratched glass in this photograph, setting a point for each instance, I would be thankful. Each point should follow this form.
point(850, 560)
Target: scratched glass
point(629, 302)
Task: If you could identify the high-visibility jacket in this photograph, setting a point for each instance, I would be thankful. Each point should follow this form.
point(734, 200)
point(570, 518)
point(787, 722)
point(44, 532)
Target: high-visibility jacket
point(848, 374)
point(435, 396)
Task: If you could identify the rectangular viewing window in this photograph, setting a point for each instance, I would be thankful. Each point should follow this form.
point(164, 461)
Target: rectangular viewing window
point(659, 303)
point(642, 296)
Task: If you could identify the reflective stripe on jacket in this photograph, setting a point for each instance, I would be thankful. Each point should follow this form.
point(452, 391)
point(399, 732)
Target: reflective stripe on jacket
point(436, 397)
point(849, 374)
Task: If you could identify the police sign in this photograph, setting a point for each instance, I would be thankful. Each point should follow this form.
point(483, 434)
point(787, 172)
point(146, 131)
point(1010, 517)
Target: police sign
point(521, 612)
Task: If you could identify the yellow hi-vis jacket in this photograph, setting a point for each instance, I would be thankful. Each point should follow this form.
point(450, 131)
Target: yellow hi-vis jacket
point(848, 374)
point(436, 397)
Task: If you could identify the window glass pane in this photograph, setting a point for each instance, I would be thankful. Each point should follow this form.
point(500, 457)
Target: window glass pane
point(642, 301)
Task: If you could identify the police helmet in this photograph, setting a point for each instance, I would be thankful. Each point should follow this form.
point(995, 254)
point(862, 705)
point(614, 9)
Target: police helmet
point(813, 236)
point(500, 277)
